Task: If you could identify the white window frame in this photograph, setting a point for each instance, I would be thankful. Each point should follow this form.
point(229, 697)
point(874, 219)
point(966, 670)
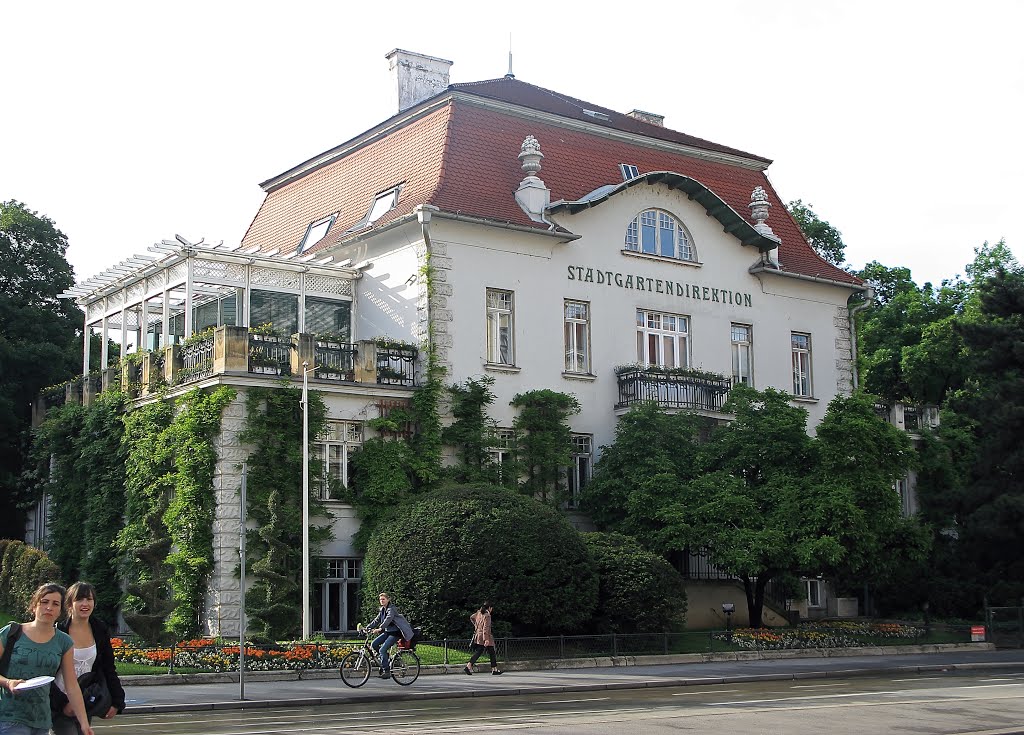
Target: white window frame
point(742, 338)
point(664, 334)
point(581, 469)
point(501, 309)
point(306, 241)
point(815, 589)
point(576, 332)
point(502, 452)
point(346, 437)
point(628, 171)
point(801, 346)
point(659, 222)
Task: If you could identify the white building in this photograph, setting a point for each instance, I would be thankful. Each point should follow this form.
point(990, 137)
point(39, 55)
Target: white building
point(571, 247)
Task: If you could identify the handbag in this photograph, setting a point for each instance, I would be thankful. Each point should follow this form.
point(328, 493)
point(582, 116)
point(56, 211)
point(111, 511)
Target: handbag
point(95, 693)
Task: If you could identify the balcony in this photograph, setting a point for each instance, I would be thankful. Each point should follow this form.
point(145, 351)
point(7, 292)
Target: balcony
point(672, 388)
point(235, 352)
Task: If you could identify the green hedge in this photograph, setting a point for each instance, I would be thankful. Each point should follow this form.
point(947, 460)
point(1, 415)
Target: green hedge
point(445, 553)
point(22, 569)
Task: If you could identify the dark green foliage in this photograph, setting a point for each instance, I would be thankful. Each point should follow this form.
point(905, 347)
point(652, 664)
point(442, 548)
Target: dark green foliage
point(85, 484)
point(765, 499)
point(23, 568)
point(39, 345)
point(274, 498)
point(145, 542)
point(66, 483)
point(826, 240)
point(991, 518)
point(641, 471)
point(444, 553)
point(426, 441)
point(639, 592)
point(101, 457)
point(545, 442)
point(189, 515)
point(471, 430)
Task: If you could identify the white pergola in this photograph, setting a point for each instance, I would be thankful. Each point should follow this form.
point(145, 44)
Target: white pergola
point(179, 275)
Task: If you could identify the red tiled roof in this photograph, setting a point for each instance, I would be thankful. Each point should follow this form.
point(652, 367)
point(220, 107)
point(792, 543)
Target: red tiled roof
point(462, 158)
point(509, 89)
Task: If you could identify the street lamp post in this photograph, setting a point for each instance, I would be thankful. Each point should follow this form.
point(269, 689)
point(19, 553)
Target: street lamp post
point(306, 617)
point(728, 608)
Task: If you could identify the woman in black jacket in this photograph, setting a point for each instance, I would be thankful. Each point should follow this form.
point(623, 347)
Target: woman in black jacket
point(93, 652)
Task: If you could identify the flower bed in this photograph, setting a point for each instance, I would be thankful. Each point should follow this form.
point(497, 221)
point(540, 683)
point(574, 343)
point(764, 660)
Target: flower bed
point(209, 654)
point(839, 634)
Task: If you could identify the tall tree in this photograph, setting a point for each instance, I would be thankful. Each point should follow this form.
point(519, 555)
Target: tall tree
point(764, 498)
point(38, 338)
point(991, 524)
point(826, 240)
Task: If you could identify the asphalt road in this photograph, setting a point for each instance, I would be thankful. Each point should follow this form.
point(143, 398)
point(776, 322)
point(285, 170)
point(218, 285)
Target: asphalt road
point(928, 703)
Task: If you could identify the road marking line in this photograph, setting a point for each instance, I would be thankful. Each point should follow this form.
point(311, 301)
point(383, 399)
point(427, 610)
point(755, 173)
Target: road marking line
point(565, 701)
point(716, 691)
point(817, 686)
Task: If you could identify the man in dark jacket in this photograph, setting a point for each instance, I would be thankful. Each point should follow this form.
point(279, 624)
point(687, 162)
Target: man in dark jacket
point(391, 625)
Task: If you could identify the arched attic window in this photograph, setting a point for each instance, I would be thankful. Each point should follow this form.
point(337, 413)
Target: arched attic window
point(656, 232)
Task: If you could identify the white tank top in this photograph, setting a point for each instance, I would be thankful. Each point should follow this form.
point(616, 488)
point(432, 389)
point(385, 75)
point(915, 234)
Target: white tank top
point(84, 659)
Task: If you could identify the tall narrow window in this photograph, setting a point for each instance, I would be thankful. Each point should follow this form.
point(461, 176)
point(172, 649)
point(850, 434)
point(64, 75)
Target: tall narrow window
point(334, 448)
point(500, 312)
point(801, 365)
point(662, 339)
point(659, 233)
point(742, 355)
point(336, 595)
point(577, 337)
point(502, 453)
point(580, 470)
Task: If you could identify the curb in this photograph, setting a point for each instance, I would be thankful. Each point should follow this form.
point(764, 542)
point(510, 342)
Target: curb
point(570, 663)
point(370, 697)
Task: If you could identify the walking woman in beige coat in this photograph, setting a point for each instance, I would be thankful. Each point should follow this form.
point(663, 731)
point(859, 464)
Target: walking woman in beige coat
point(483, 639)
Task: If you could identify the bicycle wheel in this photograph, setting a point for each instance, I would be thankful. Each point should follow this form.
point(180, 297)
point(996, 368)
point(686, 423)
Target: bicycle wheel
point(405, 667)
point(355, 669)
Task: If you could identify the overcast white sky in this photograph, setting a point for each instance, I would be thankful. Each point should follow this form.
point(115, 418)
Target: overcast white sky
point(899, 121)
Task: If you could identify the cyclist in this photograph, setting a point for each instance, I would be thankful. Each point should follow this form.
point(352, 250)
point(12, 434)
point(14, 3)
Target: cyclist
point(391, 625)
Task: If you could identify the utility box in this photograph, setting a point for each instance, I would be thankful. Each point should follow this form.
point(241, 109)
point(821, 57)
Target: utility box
point(846, 607)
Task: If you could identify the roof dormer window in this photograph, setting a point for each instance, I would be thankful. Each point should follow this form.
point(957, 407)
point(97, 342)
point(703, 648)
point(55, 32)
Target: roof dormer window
point(382, 204)
point(629, 171)
point(316, 232)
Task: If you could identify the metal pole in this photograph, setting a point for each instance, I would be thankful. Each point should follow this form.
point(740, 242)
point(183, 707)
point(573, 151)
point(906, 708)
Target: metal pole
point(241, 591)
point(306, 616)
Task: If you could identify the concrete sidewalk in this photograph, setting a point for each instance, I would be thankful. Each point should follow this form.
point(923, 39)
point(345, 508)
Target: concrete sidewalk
point(327, 689)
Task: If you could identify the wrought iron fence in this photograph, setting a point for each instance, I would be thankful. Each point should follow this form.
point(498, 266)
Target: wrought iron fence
point(334, 360)
point(671, 390)
point(396, 365)
point(196, 360)
point(270, 354)
point(1004, 626)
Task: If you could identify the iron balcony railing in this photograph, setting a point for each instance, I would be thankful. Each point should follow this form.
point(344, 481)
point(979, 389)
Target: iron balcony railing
point(196, 360)
point(334, 360)
point(672, 390)
point(270, 354)
point(396, 364)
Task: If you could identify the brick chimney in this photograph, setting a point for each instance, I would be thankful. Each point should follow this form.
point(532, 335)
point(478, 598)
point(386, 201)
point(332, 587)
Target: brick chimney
point(648, 117)
point(415, 77)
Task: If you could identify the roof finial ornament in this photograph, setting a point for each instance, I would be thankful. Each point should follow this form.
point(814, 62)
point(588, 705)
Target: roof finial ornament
point(510, 75)
point(759, 205)
point(530, 156)
point(532, 195)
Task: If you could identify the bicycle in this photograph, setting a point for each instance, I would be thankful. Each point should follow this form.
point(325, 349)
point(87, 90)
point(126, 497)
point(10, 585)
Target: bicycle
point(356, 665)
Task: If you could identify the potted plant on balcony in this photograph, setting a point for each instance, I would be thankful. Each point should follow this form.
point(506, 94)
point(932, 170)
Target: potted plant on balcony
point(331, 340)
point(265, 333)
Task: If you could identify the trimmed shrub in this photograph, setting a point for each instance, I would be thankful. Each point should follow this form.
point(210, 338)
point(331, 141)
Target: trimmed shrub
point(639, 591)
point(22, 569)
point(444, 554)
